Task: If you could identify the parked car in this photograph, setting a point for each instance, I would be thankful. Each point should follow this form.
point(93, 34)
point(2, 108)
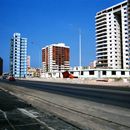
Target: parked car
point(5, 75)
point(11, 78)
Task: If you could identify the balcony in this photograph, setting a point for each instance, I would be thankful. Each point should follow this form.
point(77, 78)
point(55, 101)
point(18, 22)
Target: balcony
point(100, 36)
point(101, 45)
point(99, 15)
point(101, 40)
point(100, 19)
point(100, 48)
point(101, 54)
point(103, 22)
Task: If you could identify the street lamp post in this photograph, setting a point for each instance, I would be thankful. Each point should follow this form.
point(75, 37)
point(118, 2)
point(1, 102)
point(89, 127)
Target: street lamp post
point(80, 52)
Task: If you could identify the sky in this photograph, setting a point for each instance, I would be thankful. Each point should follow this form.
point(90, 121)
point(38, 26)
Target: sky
point(44, 22)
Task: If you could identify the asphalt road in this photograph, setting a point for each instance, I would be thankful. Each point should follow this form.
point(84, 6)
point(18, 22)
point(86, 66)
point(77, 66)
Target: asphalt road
point(106, 95)
point(16, 114)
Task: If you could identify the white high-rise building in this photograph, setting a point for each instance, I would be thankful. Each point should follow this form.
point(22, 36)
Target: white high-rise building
point(129, 29)
point(112, 47)
point(18, 56)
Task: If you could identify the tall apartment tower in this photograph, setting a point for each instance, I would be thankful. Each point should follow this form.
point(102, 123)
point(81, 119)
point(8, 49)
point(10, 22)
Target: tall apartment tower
point(112, 46)
point(28, 61)
point(18, 56)
point(129, 29)
point(55, 58)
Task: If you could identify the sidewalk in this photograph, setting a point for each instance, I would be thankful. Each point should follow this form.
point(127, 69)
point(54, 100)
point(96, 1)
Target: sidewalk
point(84, 81)
point(16, 114)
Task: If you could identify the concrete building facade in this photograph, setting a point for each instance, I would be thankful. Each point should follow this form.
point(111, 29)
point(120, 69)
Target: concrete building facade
point(129, 29)
point(101, 73)
point(28, 62)
point(55, 58)
point(112, 46)
point(18, 56)
point(1, 66)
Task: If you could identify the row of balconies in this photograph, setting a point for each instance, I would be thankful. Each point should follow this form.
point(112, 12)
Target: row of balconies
point(102, 64)
point(101, 43)
point(99, 49)
point(101, 23)
point(101, 40)
point(99, 16)
point(101, 35)
point(101, 46)
point(101, 20)
point(101, 31)
point(101, 54)
point(101, 27)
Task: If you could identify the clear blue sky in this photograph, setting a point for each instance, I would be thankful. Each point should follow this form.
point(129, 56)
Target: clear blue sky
point(45, 22)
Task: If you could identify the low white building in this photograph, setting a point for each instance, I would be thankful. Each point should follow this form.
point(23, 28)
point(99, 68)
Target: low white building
point(102, 73)
point(92, 73)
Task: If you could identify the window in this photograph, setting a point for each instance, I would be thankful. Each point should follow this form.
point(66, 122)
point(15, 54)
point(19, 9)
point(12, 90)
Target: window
point(82, 72)
point(72, 72)
point(103, 72)
point(91, 72)
point(113, 72)
point(122, 72)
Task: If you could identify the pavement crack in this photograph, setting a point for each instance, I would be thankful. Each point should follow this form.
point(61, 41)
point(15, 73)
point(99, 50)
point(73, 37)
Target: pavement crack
point(6, 118)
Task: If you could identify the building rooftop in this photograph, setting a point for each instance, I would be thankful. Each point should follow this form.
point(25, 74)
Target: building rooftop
point(58, 45)
point(104, 10)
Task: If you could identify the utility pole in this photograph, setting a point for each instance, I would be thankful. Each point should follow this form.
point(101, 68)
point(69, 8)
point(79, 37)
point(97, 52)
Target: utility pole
point(80, 52)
